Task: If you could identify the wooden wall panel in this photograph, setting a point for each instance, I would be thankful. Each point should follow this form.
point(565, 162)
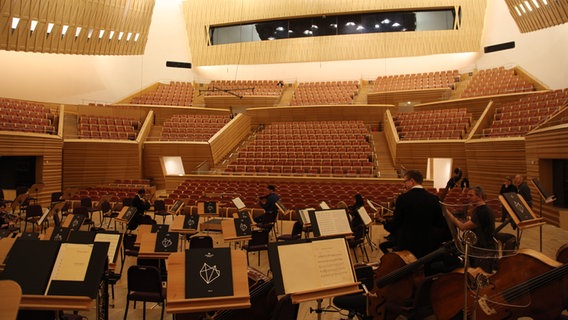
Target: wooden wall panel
point(229, 137)
point(48, 147)
point(201, 14)
point(490, 160)
point(191, 153)
point(542, 145)
point(370, 114)
point(415, 154)
point(94, 162)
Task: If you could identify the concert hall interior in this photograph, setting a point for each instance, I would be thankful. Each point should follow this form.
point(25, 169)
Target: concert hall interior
point(163, 121)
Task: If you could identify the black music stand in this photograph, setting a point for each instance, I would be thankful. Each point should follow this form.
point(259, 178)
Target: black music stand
point(544, 197)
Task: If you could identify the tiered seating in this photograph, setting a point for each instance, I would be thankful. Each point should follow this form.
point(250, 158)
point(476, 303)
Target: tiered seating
point(25, 116)
point(338, 148)
point(294, 195)
point(173, 94)
point(518, 118)
point(417, 81)
point(244, 88)
point(103, 127)
point(496, 81)
point(433, 124)
point(333, 92)
point(192, 127)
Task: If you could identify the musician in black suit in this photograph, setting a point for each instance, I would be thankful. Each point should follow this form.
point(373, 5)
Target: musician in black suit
point(418, 224)
point(141, 206)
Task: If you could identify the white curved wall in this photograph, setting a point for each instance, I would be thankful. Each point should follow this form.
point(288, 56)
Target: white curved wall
point(105, 79)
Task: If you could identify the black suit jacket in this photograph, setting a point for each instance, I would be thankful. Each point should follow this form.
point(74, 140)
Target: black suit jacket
point(418, 224)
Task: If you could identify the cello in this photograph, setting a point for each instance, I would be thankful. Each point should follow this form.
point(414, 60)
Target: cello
point(528, 284)
point(398, 278)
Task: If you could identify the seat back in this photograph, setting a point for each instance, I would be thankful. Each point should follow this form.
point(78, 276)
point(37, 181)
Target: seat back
point(285, 309)
point(34, 210)
point(258, 238)
point(105, 206)
point(297, 228)
point(200, 242)
point(86, 202)
point(159, 205)
point(144, 279)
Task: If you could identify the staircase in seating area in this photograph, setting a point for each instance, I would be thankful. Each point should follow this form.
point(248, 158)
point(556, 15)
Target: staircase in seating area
point(287, 95)
point(385, 167)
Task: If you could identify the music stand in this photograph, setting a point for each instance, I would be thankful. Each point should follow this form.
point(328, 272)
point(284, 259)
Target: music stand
point(544, 197)
point(520, 212)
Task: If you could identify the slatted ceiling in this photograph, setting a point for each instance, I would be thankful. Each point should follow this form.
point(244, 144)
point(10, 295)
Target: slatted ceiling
point(549, 14)
point(200, 14)
point(97, 15)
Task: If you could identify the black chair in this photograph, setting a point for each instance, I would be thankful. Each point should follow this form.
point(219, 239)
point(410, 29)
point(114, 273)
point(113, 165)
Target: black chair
point(106, 213)
point(56, 197)
point(358, 241)
point(33, 214)
point(88, 203)
point(84, 212)
point(285, 309)
point(258, 242)
point(200, 242)
point(356, 303)
point(161, 210)
point(268, 223)
point(144, 284)
point(294, 235)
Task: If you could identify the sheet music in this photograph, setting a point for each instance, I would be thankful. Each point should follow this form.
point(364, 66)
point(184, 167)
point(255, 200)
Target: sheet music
point(332, 222)
point(239, 203)
point(364, 216)
point(315, 265)
point(304, 215)
point(371, 205)
point(72, 263)
point(324, 205)
point(43, 216)
point(113, 240)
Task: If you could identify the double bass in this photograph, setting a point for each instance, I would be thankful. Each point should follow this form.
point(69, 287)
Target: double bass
point(398, 279)
point(528, 284)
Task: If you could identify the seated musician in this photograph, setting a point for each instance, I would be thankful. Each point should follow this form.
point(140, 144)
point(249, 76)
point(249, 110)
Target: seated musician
point(141, 206)
point(268, 203)
point(482, 223)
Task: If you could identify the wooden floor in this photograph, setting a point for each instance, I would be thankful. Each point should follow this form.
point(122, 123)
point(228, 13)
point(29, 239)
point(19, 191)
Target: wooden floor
point(552, 239)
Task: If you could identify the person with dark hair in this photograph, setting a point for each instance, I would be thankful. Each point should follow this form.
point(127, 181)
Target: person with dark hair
point(523, 189)
point(482, 223)
point(418, 224)
point(457, 175)
point(268, 203)
point(141, 206)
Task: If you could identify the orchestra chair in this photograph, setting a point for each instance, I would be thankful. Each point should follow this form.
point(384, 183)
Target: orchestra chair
point(356, 303)
point(10, 295)
point(33, 214)
point(161, 210)
point(56, 197)
point(358, 241)
point(295, 234)
point(106, 213)
point(268, 224)
point(285, 309)
point(258, 242)
point(205, 242)
point(84, 212)
point(87, 202)
point(144, 284)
